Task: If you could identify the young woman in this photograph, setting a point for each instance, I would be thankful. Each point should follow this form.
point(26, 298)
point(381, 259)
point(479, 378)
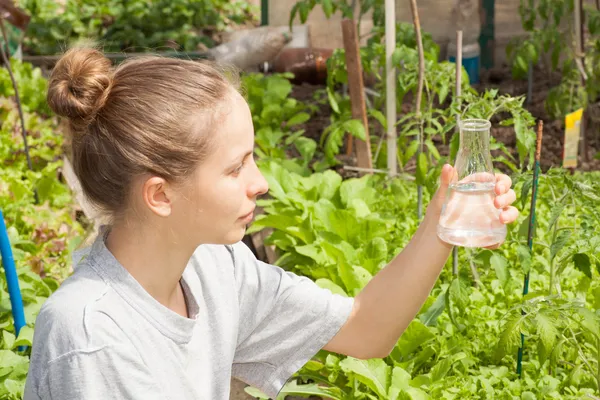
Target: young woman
point(169, 303)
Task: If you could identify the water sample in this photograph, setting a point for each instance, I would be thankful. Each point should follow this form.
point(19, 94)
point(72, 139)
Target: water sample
point(469, 217)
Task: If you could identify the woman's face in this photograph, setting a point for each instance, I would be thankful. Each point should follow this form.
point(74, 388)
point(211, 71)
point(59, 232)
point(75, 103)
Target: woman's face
point(219, 200)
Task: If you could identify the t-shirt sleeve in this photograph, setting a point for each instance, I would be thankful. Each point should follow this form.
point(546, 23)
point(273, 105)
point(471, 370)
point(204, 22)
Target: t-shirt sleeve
point(285, 319)
point(110, 372)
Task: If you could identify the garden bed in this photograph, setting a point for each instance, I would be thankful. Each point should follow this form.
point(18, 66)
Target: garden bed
point(497, 78)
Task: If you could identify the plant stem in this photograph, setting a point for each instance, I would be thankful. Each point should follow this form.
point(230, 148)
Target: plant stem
point(6, 59)
point(581, 354)
point(475, 273)
point(417, 23)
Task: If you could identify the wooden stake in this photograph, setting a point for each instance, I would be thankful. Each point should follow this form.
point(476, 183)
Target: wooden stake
point(356, 88)
point(579, 59)
point(390, 88)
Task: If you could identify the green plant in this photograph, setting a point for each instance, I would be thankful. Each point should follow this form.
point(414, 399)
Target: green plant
point(130, 25)
point(462, 344)
point(551, 45)
point(42, 235)
point(275, 116)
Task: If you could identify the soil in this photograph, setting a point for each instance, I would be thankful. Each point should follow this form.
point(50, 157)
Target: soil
point(496, 78)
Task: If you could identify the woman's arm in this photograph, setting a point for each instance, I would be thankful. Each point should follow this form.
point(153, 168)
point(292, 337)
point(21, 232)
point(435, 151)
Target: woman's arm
point(390, 301)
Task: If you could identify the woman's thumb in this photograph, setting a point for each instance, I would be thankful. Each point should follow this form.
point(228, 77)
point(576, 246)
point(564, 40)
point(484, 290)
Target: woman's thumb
point(445, 179)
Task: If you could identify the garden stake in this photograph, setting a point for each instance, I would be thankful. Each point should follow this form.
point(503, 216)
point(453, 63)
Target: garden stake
point(357, 93)
point(12, 279)
point(459, 41)
point(536, 173)
point(579, 61)
point(390, 87)
point(417, 23)
point(5, 58)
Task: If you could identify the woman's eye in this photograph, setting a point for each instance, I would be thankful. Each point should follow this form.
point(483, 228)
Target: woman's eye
point(238, 169)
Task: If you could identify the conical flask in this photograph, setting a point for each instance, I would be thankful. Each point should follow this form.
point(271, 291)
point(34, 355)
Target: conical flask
point(469, 217)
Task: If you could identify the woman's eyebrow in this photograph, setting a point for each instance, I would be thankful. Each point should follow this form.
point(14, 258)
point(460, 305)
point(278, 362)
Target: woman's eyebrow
point(242, 157)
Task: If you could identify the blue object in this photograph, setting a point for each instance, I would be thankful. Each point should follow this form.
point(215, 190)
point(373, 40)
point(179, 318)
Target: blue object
point(12, 280)
point(471, 59)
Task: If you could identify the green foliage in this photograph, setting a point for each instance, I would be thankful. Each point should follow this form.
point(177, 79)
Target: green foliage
point(276, 117)
point(126, 25)
point(463, 342)
point(42, 235)
point(551, 45)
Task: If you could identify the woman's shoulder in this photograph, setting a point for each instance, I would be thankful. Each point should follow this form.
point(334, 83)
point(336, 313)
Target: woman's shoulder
point(70, 317)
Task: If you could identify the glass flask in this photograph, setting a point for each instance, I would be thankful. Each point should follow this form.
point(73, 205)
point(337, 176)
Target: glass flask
point(469, 217)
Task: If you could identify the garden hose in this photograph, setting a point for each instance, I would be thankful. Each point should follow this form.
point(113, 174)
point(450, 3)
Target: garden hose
point(12, 280)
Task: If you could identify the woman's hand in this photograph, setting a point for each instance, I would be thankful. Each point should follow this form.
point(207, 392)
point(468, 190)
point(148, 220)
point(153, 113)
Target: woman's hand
point(505, 197)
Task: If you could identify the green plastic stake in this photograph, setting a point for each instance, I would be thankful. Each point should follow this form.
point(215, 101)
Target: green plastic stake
point(536, 174)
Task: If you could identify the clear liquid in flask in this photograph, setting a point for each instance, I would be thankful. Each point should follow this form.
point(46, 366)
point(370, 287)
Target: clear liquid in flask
point(469, 217)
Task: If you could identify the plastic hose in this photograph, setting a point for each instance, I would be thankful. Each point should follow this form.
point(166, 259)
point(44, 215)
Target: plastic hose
point(12, 280)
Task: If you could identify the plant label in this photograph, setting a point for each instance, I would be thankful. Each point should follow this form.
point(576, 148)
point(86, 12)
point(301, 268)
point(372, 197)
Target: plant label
point(572, 134)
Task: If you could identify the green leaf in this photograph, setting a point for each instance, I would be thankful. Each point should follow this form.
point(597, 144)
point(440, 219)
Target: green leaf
point(429, 317)
point(327, 7)
point(358, 188)
point(525, 191)
point(306, 147)
point(432, 149)
point(309, 390)
point(582, 262)
point(374, 373)
point(298, 119)
point(546, 329)
point(414, 336)
point(378, 115)
point(356, 128)
point(327, 284)
point(255, 393)
point(313, 252)
point(8, 340)
point(500, 265)
point(561, 240)
point(411, 150)
point(332, 102)
point(524, 257)
point(458, 293)
point(440, 369)
point(555, 214)
point(400, 382)
point(454, 145)
point(25, 337)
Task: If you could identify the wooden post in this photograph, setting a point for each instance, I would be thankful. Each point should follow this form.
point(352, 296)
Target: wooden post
point(391, 113)
point(356, 88)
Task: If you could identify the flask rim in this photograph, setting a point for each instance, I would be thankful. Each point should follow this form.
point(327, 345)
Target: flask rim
point(474, 125)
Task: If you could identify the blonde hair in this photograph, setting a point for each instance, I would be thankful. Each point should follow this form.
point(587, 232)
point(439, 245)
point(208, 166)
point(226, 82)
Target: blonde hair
point(148, 115)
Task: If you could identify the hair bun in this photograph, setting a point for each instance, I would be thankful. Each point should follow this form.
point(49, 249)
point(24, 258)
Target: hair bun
point(80, 84)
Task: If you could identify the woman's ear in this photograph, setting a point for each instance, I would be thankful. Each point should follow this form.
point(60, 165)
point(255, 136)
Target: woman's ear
point(156, 195)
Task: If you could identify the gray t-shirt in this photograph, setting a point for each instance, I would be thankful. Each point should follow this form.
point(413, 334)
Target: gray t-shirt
point(102, 336)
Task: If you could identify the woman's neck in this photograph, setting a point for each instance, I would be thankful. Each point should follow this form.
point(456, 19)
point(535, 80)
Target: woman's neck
point(156, 260)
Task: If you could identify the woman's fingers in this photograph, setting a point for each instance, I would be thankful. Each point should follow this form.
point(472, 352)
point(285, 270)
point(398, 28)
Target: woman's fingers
point(503, 183)
point(509, 215)
point(505, 200)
